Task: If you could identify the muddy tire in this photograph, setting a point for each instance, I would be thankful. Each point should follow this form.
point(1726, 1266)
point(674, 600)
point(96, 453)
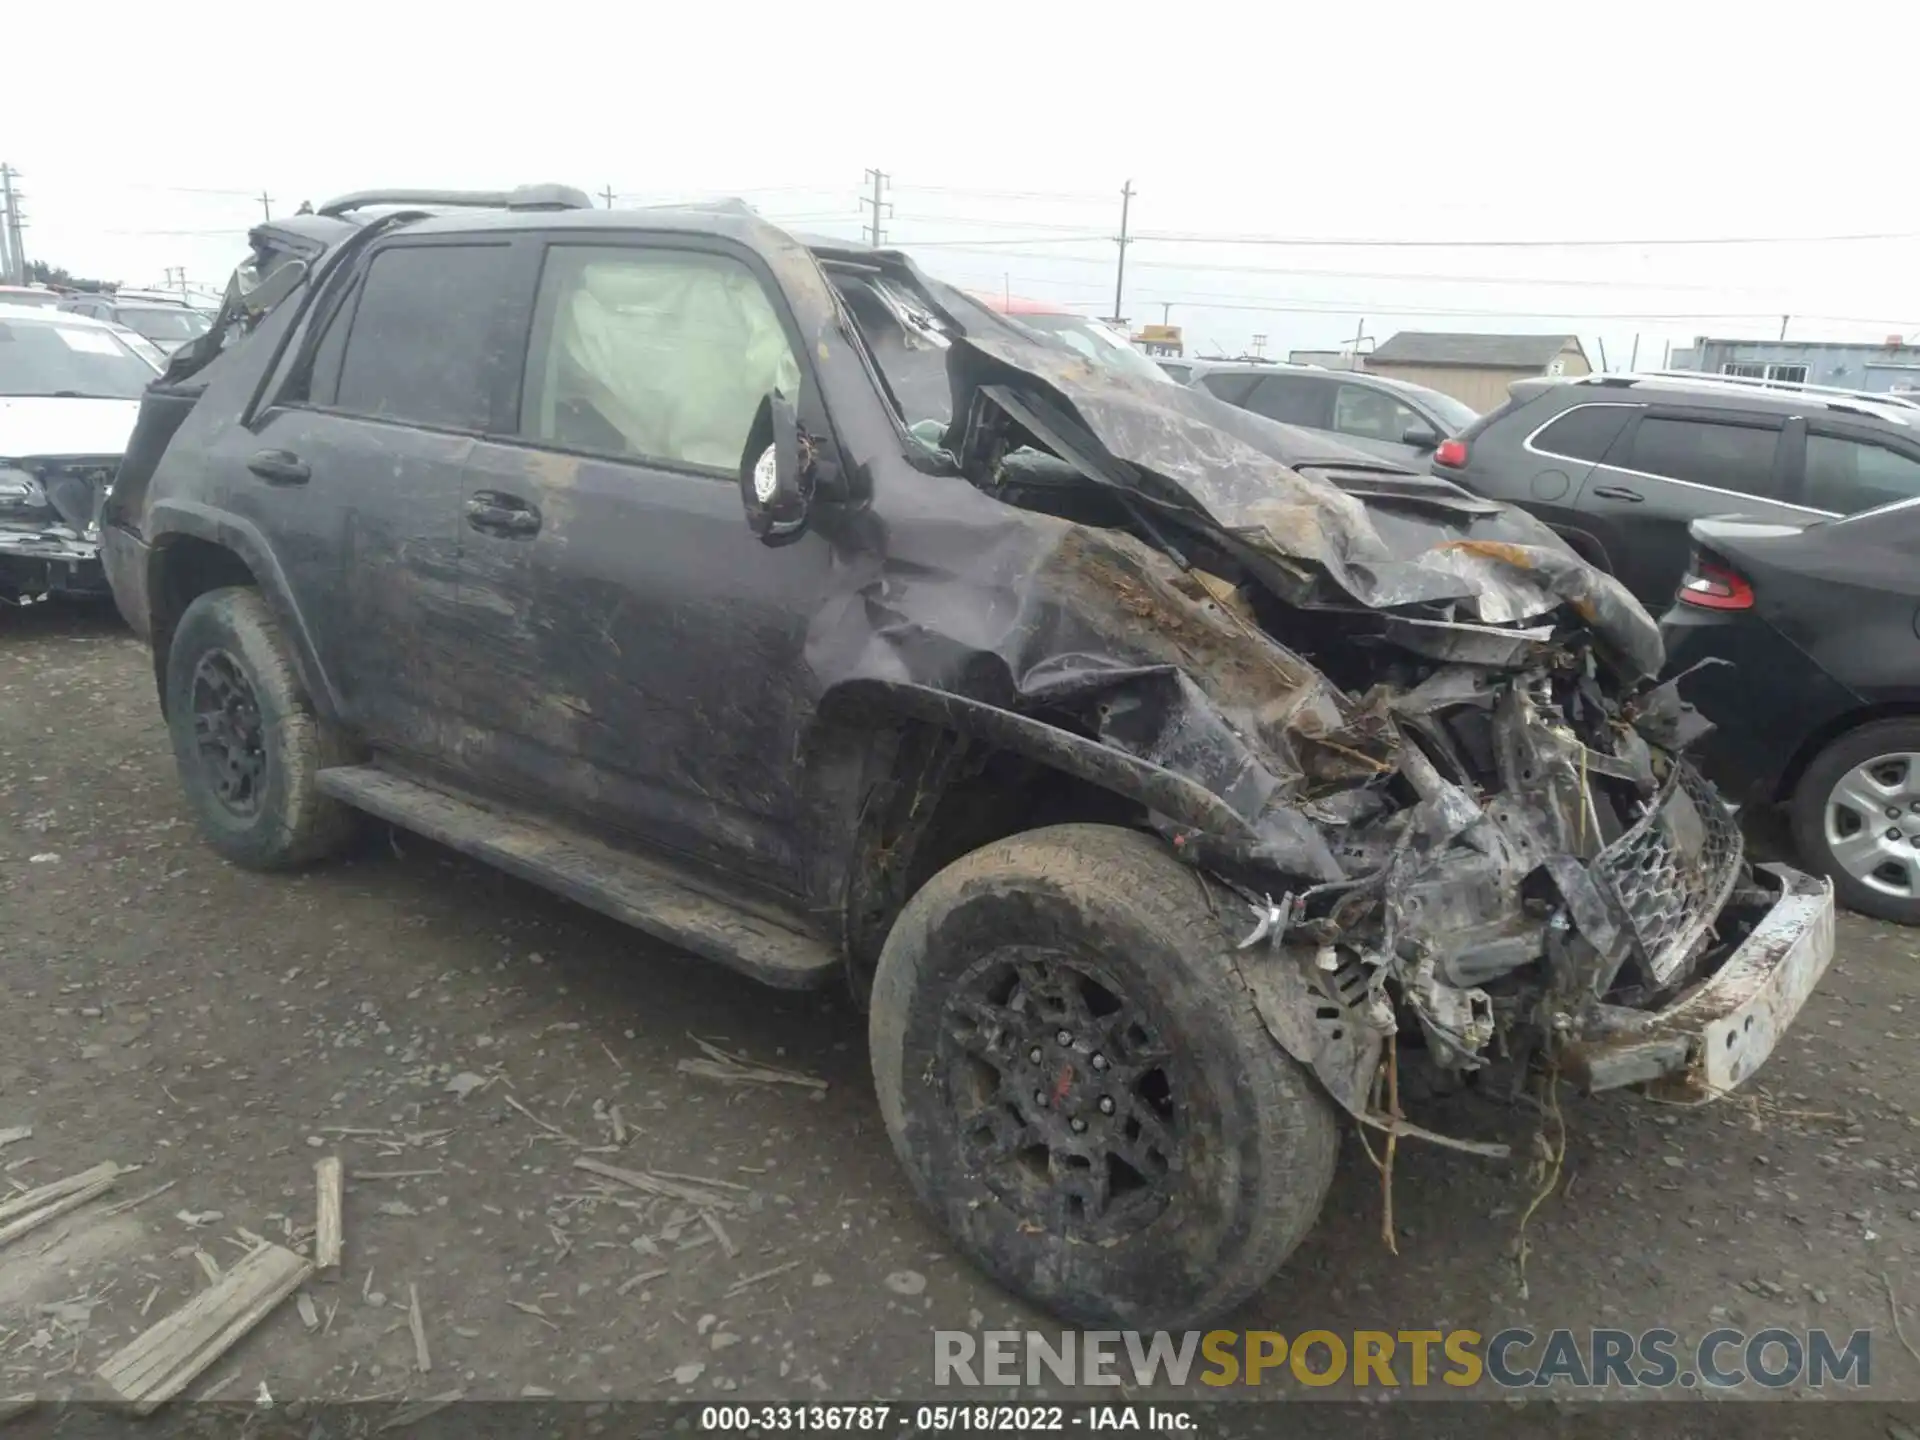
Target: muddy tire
point(246, 739)
point(1079, 1087)
point(1856, 819)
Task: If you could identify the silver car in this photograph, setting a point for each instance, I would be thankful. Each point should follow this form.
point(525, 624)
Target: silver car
point(1392, 419)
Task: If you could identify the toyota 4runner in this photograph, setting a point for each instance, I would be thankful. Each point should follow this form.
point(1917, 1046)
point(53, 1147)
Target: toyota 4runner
point(1166, 782)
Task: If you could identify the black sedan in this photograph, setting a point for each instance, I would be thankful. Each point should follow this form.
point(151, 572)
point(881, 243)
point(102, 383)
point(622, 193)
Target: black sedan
point(1819, 707)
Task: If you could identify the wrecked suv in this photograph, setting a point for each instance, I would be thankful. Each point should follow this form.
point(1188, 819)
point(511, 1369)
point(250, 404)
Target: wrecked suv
point(1165, 782)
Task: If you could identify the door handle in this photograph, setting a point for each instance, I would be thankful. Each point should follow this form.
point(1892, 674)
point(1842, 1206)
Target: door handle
point(495, 514)
point(280, 467)
point(1618, 492)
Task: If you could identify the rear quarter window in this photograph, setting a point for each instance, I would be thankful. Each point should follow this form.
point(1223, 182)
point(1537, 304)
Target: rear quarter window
point(1233, 389)
point(1735, 458)
point(1584, 432)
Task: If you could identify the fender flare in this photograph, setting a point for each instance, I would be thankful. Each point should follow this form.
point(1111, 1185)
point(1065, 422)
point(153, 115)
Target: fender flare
point(172, 519)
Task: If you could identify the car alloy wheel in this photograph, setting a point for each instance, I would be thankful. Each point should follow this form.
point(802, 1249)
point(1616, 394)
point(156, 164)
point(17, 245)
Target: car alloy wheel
point(1872, 824)
point(1060, 1094)
point(228, 733)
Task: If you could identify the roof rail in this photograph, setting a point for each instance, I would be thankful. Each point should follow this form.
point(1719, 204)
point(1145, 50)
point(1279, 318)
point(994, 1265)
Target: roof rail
point(1755, 382)
point(521, 197)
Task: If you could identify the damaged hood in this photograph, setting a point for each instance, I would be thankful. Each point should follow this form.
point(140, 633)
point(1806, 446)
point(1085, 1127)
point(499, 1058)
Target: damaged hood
point(1335, 531)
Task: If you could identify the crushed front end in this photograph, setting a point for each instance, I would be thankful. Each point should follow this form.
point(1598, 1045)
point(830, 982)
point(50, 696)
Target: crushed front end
point(1413, 731)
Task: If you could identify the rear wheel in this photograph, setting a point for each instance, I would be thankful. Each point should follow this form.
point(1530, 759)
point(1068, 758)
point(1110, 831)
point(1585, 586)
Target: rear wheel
point(245, 737)
point(1079, 1086)
point(1856, 818)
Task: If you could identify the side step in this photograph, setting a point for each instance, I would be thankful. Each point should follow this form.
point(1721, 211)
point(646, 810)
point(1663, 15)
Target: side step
point(640, 892)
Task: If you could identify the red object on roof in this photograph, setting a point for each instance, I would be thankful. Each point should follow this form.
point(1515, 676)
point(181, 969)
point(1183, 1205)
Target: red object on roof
point(1018, 305)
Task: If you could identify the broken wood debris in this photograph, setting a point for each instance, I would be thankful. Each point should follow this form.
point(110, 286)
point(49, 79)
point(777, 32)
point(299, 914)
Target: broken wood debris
point(35, 1208)
point(328, 1240)
point(747, 1281)
point(419, 1410)
point(527, 1307)
point(168, 1356)
point(718, 1064)
point(632, 1280)
point(653, 1184)
point(209, 1266)
point(122, 1206)
point(720, 1233)
point(309, 1312)
point(422, 1360)
point(398, 1174)
point(15, 1133)
point(13, 1405)
point(553, 1130)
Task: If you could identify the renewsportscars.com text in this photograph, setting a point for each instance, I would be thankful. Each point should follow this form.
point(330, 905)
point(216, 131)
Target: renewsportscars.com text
point(1773, 1358)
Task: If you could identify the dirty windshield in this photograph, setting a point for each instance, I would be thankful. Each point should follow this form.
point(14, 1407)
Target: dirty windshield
point(1097, 341)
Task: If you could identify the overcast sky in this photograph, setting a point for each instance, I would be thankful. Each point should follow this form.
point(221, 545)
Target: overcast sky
point(1008, 130)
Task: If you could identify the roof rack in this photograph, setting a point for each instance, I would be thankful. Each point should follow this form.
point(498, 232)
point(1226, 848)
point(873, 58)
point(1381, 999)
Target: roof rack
point(521, 197)
point(1755, 382)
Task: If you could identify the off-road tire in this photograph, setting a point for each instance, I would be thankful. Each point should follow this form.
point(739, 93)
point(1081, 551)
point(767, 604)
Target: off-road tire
point(1808, 813)
point(292, 823)
point(1259, 1135)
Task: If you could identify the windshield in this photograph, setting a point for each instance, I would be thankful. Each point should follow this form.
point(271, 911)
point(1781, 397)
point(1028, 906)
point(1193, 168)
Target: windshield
point(1456, 415)
point(1097, 341)
point(56, 356)
point(162, 322)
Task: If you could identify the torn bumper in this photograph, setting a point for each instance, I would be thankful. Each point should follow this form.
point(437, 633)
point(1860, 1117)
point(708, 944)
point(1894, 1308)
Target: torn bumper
point(1718, 1033)
point(36, 562)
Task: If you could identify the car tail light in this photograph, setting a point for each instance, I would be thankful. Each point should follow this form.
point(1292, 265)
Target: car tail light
point(1713, 585)
point(1451, 452)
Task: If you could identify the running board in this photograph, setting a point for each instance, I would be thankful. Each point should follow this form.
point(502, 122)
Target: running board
point(642, 893)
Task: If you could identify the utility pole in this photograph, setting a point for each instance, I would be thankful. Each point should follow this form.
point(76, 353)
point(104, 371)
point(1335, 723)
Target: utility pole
point(607, 195)
point(266, 206)
point(12, 251)
point(1633, 359)
point(1120, 269)
point(875, 232)
point(1358, 336)
point(1166, 312)
point(1783, 325)
point(177, 277)
point(1259, 347)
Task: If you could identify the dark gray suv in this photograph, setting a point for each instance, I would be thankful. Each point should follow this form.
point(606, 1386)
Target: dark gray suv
point(1620, 465)
point(1393, 419)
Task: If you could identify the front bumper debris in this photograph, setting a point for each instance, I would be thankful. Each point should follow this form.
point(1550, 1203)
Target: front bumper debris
point(53, 560)
point(1718, 1033)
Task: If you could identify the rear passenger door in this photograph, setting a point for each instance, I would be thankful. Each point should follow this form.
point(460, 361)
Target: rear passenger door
point(1673, 465)
point(354, 476)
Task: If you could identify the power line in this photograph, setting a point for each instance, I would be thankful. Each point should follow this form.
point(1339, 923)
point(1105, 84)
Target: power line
point(1582, 242)
point(1073, 196)
point(875, 230)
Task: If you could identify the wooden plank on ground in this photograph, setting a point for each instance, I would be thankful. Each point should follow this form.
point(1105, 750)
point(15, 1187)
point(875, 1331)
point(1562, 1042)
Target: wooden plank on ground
point(328, 1239)
point(35, 1208)
point(163, 1360)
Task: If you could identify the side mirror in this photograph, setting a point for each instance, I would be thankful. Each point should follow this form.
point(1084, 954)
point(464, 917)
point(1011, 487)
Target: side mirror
point(1420, 437)
point(776, 473)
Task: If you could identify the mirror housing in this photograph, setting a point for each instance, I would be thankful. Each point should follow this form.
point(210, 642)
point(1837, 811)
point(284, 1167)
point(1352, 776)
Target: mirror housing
point(1420, 437)
point(776, 472)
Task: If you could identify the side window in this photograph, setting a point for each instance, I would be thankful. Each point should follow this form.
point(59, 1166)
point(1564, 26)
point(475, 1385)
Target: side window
point(661, 355)
point(421, 344)
point(1372, 414)
point(1584, 432)
point(1727, 457)
point(1231, 388)
point(1292, 400)
point(1848, 476)
point(1182, 373)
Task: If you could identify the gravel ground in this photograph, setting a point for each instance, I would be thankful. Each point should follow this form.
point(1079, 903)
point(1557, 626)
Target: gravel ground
point(413, 1012)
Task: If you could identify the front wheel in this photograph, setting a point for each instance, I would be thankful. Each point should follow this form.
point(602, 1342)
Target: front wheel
point(1856, 818)
point(1078, 1084)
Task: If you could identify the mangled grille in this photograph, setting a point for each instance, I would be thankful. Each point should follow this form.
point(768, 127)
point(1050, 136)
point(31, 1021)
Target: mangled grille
point(1671, 873)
